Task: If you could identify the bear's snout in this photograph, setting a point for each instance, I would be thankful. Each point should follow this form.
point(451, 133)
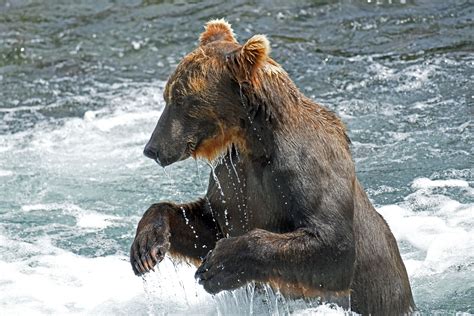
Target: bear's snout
point(164, 157)
point(151, 153)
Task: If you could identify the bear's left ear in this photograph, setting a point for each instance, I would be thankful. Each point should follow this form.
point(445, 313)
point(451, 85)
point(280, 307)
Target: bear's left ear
point(250, 57)
point(217, 30)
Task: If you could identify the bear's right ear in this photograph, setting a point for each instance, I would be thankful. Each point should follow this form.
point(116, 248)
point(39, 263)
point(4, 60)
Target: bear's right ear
point(217, 30)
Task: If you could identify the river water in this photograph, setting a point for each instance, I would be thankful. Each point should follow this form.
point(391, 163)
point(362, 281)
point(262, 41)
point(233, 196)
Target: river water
point(80, 92)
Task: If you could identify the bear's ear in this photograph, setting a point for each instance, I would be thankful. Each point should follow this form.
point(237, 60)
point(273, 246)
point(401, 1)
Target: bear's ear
point(217, 30)
point(255, 52)
point(249, 58)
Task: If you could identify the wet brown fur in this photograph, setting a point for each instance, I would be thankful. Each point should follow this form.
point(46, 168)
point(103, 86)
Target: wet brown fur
point(298, 290)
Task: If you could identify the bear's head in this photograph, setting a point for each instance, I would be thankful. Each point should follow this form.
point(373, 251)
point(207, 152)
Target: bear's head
point(206, 96)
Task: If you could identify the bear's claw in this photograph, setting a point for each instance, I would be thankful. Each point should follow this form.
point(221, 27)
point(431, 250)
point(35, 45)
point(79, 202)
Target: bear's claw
point(148, 249)
point(221, 269)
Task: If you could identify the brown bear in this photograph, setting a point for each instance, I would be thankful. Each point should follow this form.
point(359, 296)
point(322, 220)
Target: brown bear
point(284, 206)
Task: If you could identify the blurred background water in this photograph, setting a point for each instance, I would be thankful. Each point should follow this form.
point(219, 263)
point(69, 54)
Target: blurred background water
point(80, 92)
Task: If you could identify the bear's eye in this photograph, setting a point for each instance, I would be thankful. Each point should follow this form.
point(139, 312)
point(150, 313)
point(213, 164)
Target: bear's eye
point(177, 100)
point(189, 100)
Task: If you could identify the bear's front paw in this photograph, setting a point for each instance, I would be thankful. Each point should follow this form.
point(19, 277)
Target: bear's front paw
point(149, 248)
point(226, 267)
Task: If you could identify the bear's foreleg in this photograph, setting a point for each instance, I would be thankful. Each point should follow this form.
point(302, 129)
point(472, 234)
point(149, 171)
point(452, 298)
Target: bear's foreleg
point(185, 230)
point(299, 263)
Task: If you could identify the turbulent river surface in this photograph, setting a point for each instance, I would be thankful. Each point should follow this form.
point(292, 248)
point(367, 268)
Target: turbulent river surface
point(81, 87)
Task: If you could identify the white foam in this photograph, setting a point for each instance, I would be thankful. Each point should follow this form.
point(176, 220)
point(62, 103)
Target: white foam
point(85, 218)
point(415, 77)
point(121, 119)
point(5, 173)
point(40, 279)
point(93, 221)
point(409, 78)
point(424, 183)
point(324, 309)
point(441, 229)
point(52, 281)
point(51, 206)
point(98, 145)
point(90, 115)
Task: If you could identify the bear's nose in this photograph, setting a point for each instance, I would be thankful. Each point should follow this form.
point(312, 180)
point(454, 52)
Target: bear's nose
point(151, 153)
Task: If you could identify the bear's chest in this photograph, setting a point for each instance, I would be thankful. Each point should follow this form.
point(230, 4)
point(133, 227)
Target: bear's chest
point(243, 198)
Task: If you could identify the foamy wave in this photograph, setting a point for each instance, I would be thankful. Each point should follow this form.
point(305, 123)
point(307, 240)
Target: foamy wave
point(5, 173)
point(85, 218)
point(120, 119)
point(53, 281)
point(438, 227)
point(425, 183)
point(325, 309)
point(104, 139)
point(42, 279)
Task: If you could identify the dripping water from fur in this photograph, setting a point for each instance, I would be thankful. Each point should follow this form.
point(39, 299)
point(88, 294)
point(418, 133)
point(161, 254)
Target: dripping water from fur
point(181, 284)
point(230, 150)
point(186, 219)
point(259, 137)
point(213, 165)
point(237, 187)
point(180, 200)
point(148, 295)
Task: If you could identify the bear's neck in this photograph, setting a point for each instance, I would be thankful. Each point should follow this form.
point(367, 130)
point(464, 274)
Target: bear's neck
point(276, 110)
point(259, 137)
